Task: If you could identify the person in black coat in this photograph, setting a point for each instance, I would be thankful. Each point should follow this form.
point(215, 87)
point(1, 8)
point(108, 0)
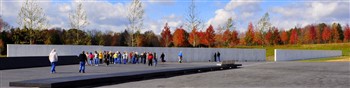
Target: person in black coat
point(214, 57)
point(162, 57)
point(218, 55)
point(82, 58)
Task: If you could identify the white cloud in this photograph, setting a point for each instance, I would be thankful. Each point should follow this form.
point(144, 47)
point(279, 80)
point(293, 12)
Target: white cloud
point(305, 13)
point(242, 12)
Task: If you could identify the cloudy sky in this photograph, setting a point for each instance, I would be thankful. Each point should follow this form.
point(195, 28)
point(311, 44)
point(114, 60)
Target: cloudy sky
point(110, 15)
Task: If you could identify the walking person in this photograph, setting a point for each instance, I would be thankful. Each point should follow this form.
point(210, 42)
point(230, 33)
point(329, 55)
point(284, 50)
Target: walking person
point(53, 60)
point(111, 59)
point(162, 57)
point(180, 57)
point(218, 55)
point(82, 58)
point(155, 58)
point(150, 57)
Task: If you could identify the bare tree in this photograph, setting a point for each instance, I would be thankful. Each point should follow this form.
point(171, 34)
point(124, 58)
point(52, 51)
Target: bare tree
point(78, 19)
point(135, 17)
point(193, 21)
point(31, 16)
point(264, 23)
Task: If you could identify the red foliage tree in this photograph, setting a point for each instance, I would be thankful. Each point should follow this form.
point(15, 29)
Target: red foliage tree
point(347, 33)
point(312, 34)
point(179, 37)
point(276, 36)
point(284, 37)
point(201, 36)
point(249, 35)
point(293, 37)
point(209, 36)
point(194, 38)
point(268, 37)
point(166, 36)
point(326, 34)
point(234, 38)
point(227, 37)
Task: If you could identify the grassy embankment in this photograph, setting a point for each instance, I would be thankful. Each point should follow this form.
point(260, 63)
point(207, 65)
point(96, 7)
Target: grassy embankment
point(344, 47)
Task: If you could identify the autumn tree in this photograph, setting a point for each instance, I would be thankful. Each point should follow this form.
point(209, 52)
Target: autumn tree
point(209, 36)
point(347, 33)
point(276, 36)
point(311, 34)
point(179, 37)
point(234, 38)
point(78, 19)
point(249, 35)
point(151, 39)
point(166, 36)
point(337, 33)
point(227, 37)
point(326, 34)
point(193, 38)
point(284, 37)
point(264, 23)
point(293, 39)
point(268, 37)
point(32, 17)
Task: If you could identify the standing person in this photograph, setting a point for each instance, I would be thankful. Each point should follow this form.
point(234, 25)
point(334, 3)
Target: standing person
point(120, 56)
point(53, 57)
point(111, 59)
point(215, 57)
point(106, 56)
point(130, 57)
point(100, 57)
point(144, 57)
point(96, 58)
point(125, 57)
point(141, 56)
point(82, 58)
point(150, 57)
point(91, 56)
point(162, 57)
point(218, 56)
point(115, 57)
point(137, 57)
point(155, 58)
point(180, 57)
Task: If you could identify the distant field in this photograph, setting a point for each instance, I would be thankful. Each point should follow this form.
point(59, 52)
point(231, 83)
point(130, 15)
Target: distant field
point(345, 47)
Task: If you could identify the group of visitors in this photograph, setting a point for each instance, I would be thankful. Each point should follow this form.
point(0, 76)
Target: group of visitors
point(109, 57)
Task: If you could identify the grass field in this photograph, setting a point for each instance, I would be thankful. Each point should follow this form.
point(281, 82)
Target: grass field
point(344, 47)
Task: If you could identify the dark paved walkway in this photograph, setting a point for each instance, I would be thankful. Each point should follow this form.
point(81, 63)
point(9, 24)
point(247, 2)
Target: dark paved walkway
point(72, 70)
point(258, 75)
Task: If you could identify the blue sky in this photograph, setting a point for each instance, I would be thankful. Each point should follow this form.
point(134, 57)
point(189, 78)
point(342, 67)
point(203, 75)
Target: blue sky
point(110, 15)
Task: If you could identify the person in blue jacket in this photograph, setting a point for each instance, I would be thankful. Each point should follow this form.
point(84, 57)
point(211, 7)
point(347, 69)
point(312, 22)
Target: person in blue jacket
point(180, 57)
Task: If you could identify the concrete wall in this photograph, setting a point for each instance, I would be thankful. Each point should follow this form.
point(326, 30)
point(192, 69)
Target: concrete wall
point(290, 55)
point(189, 54)
point(37, 61)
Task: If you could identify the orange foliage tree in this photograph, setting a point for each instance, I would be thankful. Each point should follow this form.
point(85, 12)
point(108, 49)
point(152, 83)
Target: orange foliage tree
point(249, 35)
point(293, 37)
point(179, 37)
point(166, 36)
point(227, 37)
point(284, 37)
point(326, 34)
point(347, 33)
point(209, 36)
point(234, 38)
point(194, 38)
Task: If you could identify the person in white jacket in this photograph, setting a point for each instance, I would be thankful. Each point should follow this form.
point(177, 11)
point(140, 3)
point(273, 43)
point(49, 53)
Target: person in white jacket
point(53, 60)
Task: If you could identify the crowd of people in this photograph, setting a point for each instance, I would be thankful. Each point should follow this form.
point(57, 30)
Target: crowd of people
point(109, 57)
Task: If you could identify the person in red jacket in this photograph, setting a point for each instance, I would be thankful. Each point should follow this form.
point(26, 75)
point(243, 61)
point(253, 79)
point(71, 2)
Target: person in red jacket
point(150, 57)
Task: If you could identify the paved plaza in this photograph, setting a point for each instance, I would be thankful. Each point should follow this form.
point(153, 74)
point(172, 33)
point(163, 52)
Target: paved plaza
point(251, 74)
point(258, 75)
